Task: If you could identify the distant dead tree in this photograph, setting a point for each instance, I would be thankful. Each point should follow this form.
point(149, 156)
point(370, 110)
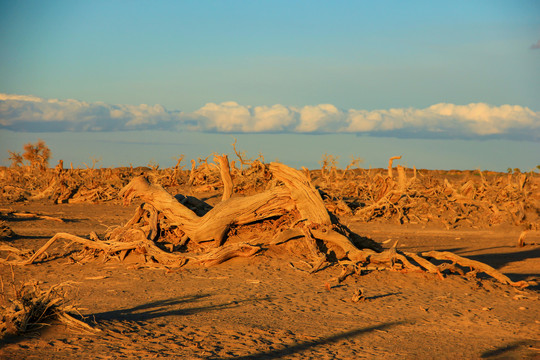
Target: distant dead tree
point(16, 159)
point(37, 154)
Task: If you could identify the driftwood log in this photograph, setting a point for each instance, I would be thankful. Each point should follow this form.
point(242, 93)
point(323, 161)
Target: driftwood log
point(174, 230)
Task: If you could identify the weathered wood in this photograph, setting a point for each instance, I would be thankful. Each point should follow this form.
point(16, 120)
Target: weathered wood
point(521, 239)
point(307, 199)
point(192, 172)
point(215, 223)
point(286, 235)
point(26, 215)
point(390, 163)
point(293, 207)
point(217, 256)
point(485, 268)
point(225, 172)
point(402, 179)
point(106, 246)
point(300, 194)
point(423, 263)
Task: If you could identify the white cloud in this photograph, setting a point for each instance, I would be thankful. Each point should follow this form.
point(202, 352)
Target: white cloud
point(30, 113)
point(225, 117)
point(476, 120)
point(482, 119)
point(320, 118)
point(4, 97)
point(449, 120)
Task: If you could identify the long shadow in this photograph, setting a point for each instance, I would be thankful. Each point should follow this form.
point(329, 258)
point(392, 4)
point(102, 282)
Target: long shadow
point(32, 237)
point(507, 348)
point(151, 310)
point(168, 307)
point(456, 250)
point(468, 249)
point(25, 237)
point(303, 346)
point(375, 297)
point(524, 276)
point(74, 220)
point(498, 260)
point(18, 219)
point(11, 339)
point(14, 219)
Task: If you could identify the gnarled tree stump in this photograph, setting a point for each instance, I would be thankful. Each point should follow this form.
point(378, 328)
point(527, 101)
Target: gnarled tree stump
point(295, 206)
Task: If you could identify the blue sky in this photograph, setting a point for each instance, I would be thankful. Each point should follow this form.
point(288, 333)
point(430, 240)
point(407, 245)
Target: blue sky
point(452, 71)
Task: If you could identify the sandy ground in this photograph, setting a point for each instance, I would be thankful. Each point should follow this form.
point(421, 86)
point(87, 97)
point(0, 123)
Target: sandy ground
point(263, 308)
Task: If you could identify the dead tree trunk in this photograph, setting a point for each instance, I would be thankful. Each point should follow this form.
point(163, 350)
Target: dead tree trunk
point(390, 164)
point(225, 171)
point(215, 223)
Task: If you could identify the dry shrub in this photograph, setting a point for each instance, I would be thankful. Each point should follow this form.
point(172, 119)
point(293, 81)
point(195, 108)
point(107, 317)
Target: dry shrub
point(31, 308)
point(37, 155)
point(452, 198)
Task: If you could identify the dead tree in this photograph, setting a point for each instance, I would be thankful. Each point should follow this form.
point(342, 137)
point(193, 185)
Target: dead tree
point(295, 206)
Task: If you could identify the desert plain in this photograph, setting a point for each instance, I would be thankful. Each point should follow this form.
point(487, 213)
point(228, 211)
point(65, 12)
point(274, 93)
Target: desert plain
point(292, 291)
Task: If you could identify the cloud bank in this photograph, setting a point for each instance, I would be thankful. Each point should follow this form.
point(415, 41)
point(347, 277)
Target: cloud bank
point(476, 120)
point(30, 113)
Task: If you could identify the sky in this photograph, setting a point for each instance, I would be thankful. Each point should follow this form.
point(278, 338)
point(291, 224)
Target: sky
point(451, 85)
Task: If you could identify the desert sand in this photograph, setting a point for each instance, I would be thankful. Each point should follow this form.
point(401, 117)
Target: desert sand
point(272, 304)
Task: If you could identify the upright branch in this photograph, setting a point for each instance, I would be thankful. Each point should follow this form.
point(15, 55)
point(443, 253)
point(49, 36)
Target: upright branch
point(225, 171)
point(178, 162)
point(94, 162)
point(176, 170)
point(402, 179)
point(241, 156)
point(60, 167)
point(390, 162)
point(354, 162)
point(16, 159)
point(192, 172)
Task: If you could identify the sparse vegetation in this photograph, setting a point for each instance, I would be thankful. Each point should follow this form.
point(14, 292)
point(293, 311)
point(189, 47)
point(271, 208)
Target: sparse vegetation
point(293, 223)
point(463, 199)
point(25, 307)
point(37, 155)
point(285, 203)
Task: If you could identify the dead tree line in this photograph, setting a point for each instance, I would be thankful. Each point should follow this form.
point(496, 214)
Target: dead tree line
point(455, 199)
point(173, 231)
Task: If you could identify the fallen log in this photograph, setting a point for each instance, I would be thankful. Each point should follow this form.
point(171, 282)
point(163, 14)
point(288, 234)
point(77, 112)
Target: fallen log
point(291, 210)
point(216, 222)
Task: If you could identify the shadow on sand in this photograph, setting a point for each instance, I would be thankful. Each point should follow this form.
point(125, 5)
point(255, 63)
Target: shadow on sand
point(148, 311)
point(505, 256)
point(306, 345)
point(513, 350)
point(168, 307)
point(500, 259)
